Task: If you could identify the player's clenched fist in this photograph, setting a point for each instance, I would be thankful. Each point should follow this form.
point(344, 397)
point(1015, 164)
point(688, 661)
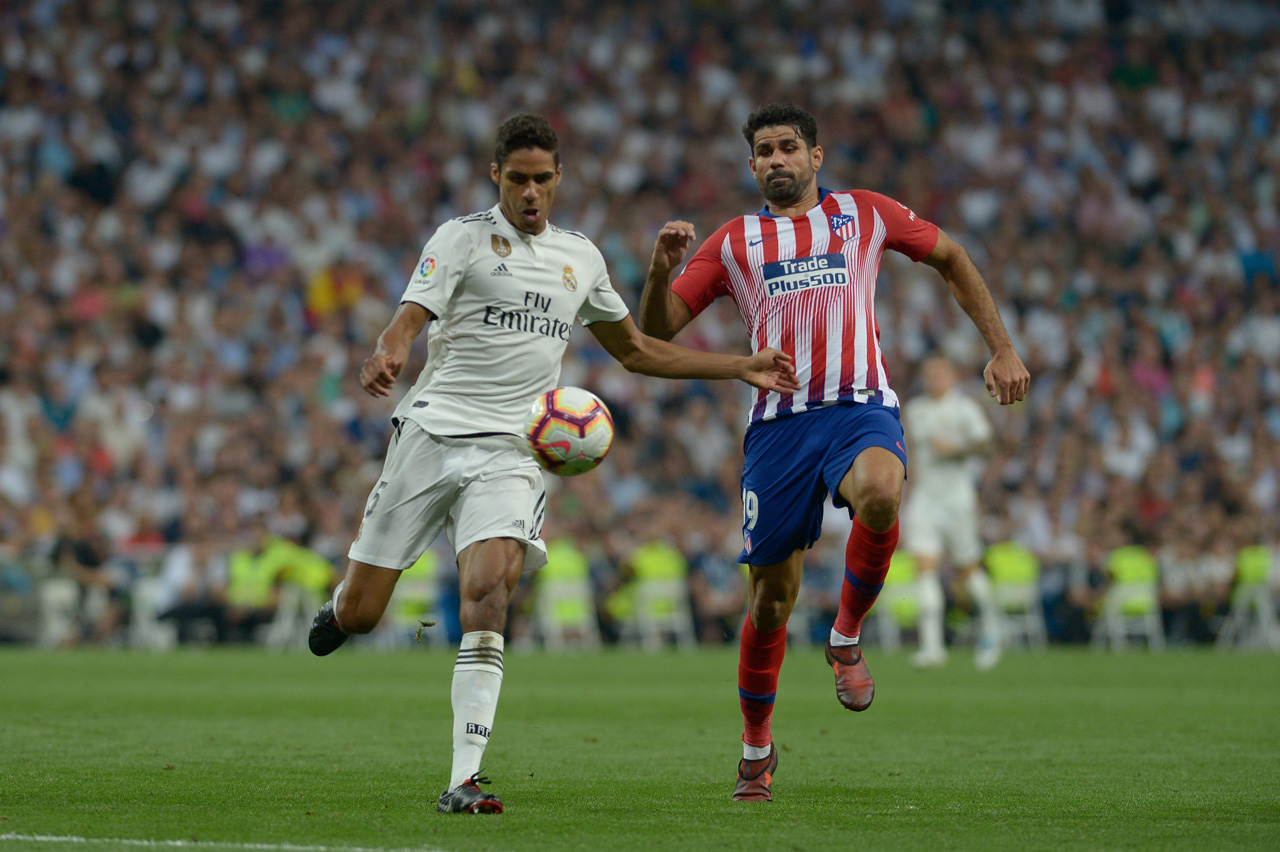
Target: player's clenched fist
point(378, 374)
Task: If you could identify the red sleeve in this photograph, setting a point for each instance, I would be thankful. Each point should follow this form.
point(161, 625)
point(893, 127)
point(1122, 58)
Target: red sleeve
point(907, 232)
point(704, 278)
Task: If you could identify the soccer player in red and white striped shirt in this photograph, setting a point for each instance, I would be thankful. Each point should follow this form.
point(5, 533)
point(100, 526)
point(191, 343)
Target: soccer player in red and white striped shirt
point(802, 271)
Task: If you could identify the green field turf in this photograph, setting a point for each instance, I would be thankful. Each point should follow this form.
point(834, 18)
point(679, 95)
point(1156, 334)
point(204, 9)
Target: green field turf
point(627, 751)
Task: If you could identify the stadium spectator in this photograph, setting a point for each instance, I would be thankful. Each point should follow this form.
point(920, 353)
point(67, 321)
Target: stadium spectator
point(192, 583)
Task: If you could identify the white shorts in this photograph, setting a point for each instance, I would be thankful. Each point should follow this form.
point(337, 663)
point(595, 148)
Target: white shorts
point(473, 489)
point(933, 528)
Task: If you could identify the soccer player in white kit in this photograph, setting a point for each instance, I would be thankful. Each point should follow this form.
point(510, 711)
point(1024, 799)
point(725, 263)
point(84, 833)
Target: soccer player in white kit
point(947, 431)
point(503, 287)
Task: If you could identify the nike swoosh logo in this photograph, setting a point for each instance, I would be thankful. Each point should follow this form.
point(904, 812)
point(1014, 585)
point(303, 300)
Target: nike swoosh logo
point(756, 242)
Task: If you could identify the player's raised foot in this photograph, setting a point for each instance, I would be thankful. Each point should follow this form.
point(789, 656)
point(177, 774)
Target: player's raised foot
point(468, 798)
point(854, 686)
point(755, 778)
point(325, 636)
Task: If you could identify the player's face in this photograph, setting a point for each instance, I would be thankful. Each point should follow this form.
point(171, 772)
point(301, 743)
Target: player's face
point(527, 184)
point(785, 167)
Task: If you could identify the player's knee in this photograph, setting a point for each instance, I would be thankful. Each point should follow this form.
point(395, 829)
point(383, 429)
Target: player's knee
point(770, 614)
point(351, 619)
point(773, 599)
point(493, 598)
point(878, 501)
point(485, 600)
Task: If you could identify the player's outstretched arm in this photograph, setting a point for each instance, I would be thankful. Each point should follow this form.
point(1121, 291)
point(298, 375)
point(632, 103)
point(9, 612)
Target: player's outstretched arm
point(663, 313)
point(378, 374)
point(769, 369)
point(1006, 377)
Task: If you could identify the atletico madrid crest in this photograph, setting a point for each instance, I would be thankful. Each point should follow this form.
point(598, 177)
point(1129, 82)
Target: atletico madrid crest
point(843, 225)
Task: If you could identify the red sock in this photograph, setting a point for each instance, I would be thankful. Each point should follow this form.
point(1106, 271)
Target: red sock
point(759, 661)
point(866, 562)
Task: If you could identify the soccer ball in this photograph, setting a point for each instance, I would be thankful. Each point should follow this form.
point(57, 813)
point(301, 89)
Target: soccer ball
point(570, 431)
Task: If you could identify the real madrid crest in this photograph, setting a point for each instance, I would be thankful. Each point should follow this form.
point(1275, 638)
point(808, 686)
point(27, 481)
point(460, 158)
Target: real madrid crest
point(570, 283)
point(501, 247)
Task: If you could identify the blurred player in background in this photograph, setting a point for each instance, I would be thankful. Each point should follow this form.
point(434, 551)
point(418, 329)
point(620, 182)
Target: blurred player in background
point(504, 287)
point(947, 431)
point(803, 271)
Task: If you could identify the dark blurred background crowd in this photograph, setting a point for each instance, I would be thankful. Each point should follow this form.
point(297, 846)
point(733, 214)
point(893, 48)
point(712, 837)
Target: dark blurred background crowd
point(208, 211)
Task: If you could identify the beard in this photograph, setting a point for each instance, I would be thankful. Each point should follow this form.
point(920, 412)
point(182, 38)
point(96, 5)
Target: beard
point(784, 193)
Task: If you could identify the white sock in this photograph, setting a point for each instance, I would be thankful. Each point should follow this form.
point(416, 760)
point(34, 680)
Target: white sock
point(932, 605)
point(751, 752)
point(337, 590)
point(477, 680)
point(979, 586)
point(838, 640)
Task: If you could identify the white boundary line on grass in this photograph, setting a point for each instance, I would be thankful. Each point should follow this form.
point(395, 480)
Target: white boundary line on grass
point(201, 844)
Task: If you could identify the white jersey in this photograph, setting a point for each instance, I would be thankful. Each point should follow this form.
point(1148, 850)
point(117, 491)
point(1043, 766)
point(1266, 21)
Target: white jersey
point(505, 302)
point(953, 417)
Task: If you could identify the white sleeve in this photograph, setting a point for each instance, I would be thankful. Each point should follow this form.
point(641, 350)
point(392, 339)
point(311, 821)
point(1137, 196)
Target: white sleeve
point(603, 303)
point(444, 259)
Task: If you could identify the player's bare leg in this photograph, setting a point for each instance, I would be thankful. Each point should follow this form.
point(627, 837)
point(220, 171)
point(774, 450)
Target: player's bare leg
point(356, 607)
point(873, 487)
point(772, 591)
point(771, 595)
point(487, 574)
point(978, 585)
point(932, 651)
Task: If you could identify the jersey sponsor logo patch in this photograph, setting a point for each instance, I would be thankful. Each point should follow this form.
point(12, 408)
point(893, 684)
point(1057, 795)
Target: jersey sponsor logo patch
point(570, 283)
point(789, 276)
point(500, 270)
point(501, 247)
point(526, 321)
point(427, 267)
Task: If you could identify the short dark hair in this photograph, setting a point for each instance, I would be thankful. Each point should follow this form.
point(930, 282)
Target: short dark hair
point(525, 131)
point(781, 115)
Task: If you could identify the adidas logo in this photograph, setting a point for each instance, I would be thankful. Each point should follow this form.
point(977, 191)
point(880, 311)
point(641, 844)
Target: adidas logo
point(500, 269)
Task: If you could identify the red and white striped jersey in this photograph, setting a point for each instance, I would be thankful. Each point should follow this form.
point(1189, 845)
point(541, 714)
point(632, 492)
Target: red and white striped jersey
point(806, 285)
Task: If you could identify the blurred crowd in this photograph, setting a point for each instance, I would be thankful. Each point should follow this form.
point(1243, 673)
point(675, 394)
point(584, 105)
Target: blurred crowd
point(208, 211)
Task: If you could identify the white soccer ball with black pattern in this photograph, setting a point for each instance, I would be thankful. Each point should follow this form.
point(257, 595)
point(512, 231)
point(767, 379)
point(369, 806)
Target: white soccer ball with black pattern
point(570, 431)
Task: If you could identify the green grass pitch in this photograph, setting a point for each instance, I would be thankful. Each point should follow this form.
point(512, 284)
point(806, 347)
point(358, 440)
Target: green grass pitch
point(627, 751)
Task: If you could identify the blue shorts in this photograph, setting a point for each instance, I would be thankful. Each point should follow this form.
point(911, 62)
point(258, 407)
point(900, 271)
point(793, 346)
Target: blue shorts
point(793, 463)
